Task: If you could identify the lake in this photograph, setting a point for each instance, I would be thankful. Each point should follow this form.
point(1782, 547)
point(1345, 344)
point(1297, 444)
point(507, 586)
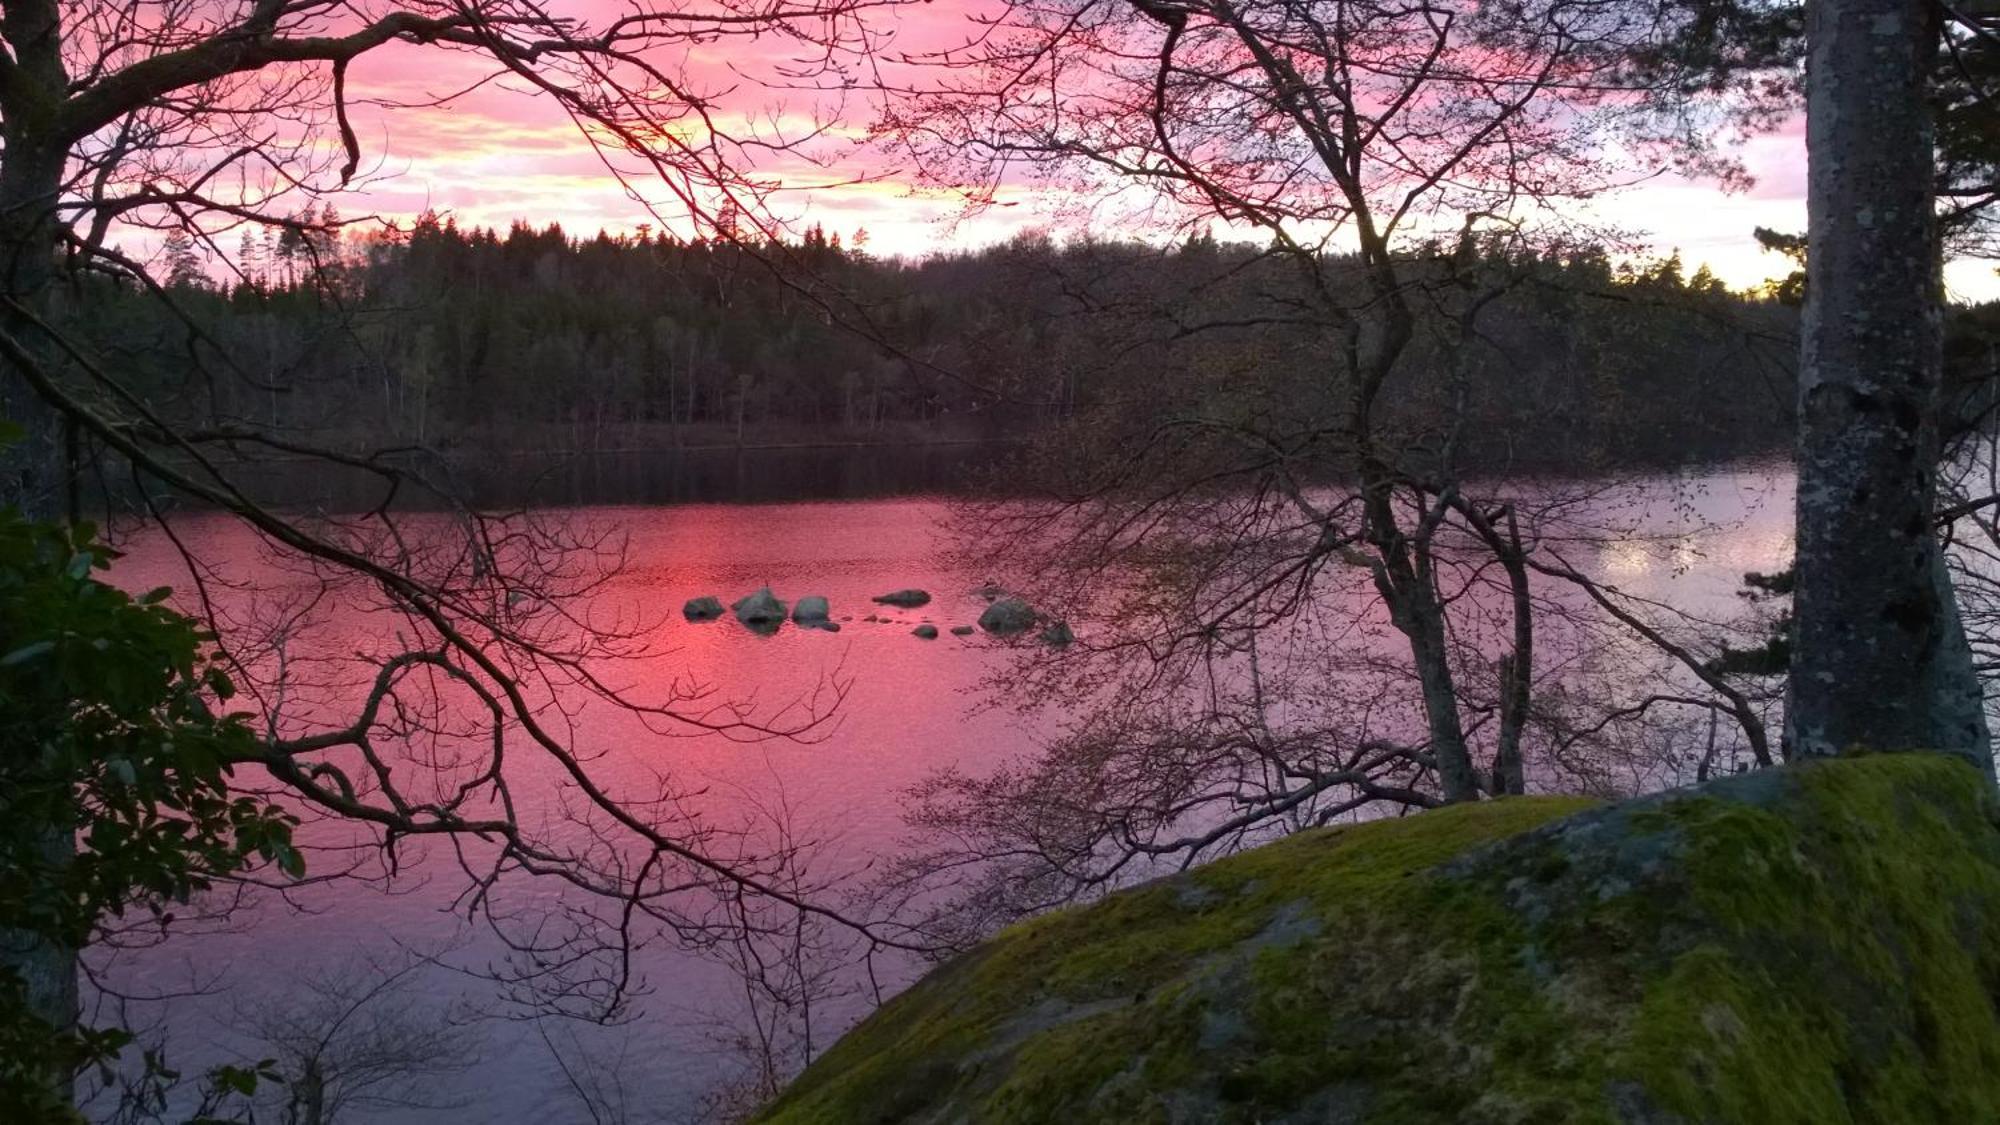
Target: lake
point(667, 475)
point(911, 706)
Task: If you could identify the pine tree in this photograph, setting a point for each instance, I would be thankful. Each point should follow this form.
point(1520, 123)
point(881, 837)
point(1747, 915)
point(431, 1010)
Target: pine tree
point(186, 265)
point(250, 257)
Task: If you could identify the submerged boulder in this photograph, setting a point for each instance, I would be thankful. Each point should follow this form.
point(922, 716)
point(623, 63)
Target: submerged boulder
point(811, 610)
point(760, 608)
point(1057, 634)
point(961, 630)
point(905, 599)
point(927, 632)
point(705, 608)
point(1008, 616)
point(1812, 944)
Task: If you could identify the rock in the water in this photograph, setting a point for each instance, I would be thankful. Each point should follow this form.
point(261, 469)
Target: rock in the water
point(961, 630)
point(905, 599)
point(1806, 944)
point(1007, 616)
point(989, 591)
point(829, 626)
point(1057, 634)
point(705, 608)
point(811, 610)
point(927, 632)
point(760, 608)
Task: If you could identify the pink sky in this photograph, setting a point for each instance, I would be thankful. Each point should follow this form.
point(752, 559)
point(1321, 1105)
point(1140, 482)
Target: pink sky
point(501, 154)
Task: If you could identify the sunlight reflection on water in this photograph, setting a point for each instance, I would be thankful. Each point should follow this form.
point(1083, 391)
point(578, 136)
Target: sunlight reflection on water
point(907, 712)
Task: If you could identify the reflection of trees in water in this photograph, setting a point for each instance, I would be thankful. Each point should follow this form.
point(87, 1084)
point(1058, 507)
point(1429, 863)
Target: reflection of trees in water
point(334, 1041)
point(663, 476)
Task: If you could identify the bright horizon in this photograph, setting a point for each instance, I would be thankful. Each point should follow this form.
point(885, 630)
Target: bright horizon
point(499, 155)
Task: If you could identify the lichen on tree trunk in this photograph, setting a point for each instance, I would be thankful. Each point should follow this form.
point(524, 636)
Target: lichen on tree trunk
point(1879, 660)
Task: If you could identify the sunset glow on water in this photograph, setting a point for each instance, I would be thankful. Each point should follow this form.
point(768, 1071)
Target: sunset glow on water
point(907, 707)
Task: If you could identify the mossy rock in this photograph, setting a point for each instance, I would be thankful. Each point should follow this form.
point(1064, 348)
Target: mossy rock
point(1817, 944)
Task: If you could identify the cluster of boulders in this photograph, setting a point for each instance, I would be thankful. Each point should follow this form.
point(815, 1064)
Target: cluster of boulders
point(764, 612)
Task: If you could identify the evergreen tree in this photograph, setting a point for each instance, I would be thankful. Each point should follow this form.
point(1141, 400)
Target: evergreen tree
point(186, 266)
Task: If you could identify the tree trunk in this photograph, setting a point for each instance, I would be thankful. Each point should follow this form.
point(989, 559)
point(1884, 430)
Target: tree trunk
point(34, 472)
point(31, 468)
point(1517, 667)
point(1405, 583)
point(1880, 661)
point(1428, 650)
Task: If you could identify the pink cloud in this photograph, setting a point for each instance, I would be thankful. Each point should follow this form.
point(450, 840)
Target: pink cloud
point(498, 152)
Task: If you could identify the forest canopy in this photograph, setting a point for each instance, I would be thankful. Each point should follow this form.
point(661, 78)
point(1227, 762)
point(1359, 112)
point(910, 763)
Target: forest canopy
point(536, 339)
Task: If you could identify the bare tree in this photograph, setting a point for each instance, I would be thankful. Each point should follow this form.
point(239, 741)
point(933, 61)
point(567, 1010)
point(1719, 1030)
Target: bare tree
point(1315, 596)
point(203, 116)
point(348, 1039)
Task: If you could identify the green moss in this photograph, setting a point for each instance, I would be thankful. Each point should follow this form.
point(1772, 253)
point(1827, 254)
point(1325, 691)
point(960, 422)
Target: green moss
point(1854, 951)
point(1817, 944)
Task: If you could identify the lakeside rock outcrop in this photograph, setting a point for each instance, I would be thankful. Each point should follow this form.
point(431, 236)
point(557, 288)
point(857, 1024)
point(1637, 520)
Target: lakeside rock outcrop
point(1819, 943)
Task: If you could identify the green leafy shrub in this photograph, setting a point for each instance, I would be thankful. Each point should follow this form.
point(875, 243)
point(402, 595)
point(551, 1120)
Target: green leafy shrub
point(115, 757)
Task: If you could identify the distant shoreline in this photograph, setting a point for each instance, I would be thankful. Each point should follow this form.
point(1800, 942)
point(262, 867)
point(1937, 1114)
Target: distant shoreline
point(649, 450)
point(769, 472)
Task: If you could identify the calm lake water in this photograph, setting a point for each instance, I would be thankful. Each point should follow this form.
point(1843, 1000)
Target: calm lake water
point(690, 475)
point(910, 709)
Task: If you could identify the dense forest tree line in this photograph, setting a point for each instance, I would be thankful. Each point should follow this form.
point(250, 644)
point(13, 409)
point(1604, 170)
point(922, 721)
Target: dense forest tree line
point(533, 339)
